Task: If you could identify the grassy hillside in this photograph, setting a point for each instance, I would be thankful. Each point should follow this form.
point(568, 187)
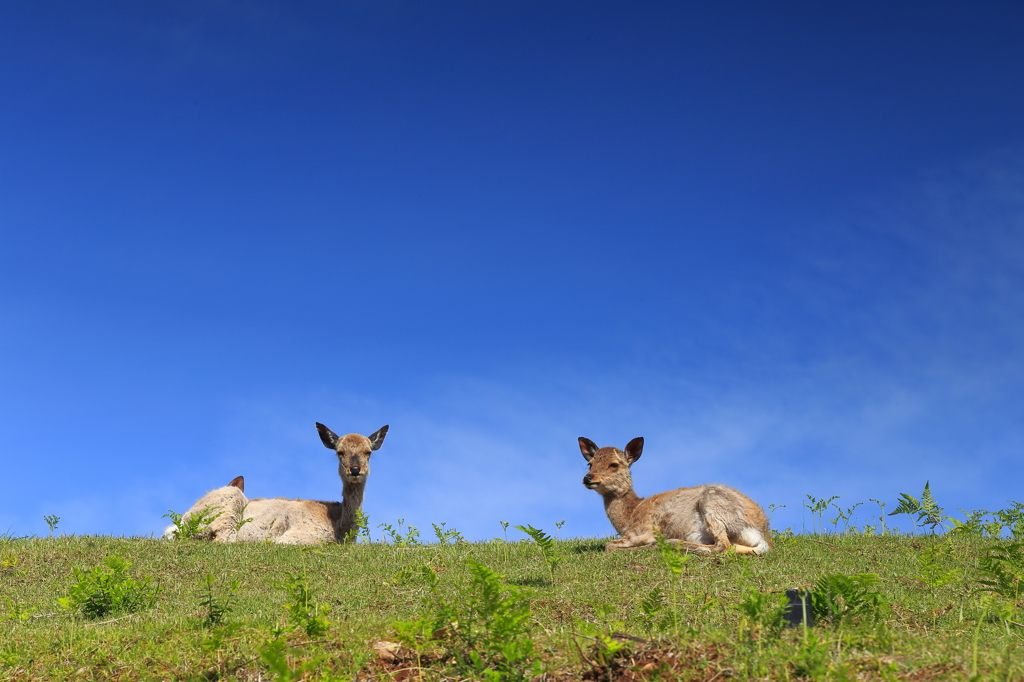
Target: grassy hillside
point(599, 618)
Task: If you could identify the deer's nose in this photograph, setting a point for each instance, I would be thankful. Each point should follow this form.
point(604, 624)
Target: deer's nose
point(588, 479)
point(354, 471)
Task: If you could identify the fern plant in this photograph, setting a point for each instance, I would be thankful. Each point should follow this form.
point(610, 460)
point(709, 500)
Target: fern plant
point(838, 599)
point(194, 527)
point(1001, 571)
point(548, 548)
point(651, 606)
point(926, 510)
point(1013, 518)
point(487, 634)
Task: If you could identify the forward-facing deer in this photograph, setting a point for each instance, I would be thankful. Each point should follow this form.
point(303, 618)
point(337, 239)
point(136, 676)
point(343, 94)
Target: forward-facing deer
point(299, 522)
point(708, 518)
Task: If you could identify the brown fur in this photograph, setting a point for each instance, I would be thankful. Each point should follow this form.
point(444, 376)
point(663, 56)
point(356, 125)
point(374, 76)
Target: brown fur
point(300, 522)
point(707, 518)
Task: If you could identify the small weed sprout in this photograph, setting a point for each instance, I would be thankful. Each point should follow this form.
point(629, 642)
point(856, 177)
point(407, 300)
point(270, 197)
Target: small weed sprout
point(548, 548)
point(16, 611)
point(819, 507)
point(844, 516)
point(926, 510)
point(273, 655)
point(9, 562)
point(811, 659)
point(108, 590)
point(241, 518)
point(269, 540)
point(447, 535)
point(764, 613)
point(409, 539)
point(881, 518)
point(606, 649)
point(504, 528)
point(360, 526)
point(13, 655)
point(195, 527)
point(52, 520)
point(674, 561)
point(558, 527)
point(215, 609)
point(771, 510)
point(304, 612)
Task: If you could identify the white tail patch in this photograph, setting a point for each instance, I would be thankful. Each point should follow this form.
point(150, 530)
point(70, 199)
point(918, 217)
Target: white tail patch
point(752, 537)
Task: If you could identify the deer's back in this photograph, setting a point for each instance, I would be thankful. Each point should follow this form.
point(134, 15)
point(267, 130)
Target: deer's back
point(294, 521)
point(683, 513)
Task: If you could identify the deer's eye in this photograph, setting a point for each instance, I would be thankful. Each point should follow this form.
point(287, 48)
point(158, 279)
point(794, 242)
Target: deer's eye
point(613, 465)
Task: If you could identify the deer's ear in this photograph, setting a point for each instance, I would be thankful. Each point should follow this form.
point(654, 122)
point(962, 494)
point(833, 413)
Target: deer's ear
point(633, 449)
point(588, 448)
point(377, 437)
point(237, 482)
point(328, 437)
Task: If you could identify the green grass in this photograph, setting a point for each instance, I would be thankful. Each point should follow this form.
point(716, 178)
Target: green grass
point(927, 631)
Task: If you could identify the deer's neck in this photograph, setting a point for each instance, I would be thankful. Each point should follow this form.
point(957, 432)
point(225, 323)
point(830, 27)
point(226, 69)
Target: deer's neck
point(620, 507)
point(351, 502)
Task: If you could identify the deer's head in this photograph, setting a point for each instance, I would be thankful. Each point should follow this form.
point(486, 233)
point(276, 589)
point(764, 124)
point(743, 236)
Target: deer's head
point(353, 451)
point(609, 467)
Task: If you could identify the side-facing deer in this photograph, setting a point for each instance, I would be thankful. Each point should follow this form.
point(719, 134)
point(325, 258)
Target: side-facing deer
point(299, 522)
point(708, 518)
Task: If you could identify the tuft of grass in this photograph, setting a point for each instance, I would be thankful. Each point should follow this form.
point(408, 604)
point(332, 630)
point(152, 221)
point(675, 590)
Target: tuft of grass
point(108, 590)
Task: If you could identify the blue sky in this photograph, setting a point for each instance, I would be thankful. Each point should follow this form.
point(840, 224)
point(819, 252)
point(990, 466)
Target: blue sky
point(785, 244)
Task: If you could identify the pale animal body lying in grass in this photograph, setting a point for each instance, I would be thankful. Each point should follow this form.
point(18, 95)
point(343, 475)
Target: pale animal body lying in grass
point(707, 518)
point(297, 522)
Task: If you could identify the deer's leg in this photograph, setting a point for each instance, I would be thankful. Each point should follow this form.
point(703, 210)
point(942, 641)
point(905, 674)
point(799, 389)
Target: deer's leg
point(694, 547)
point(631, 541)
point(718, 531)
point(743, 549)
